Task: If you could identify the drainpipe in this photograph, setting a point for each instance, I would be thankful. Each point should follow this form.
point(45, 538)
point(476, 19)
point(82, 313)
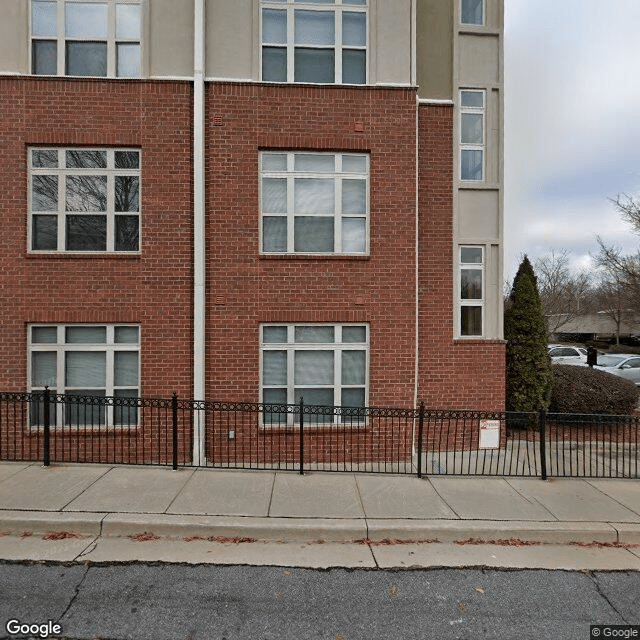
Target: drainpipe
point(199, 294)
point(414, 82)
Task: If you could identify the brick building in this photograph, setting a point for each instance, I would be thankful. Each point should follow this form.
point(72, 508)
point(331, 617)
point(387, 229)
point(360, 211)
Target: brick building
point(253, 200)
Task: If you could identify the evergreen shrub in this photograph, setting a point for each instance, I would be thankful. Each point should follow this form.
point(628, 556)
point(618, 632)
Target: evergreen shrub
point(529, 373)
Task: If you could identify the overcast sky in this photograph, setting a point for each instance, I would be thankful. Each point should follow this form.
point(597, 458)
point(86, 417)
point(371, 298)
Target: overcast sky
point(572, 125)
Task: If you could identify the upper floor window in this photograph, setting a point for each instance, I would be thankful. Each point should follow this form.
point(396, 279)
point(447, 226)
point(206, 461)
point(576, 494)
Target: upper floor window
point(84, 199)
point(472, 12)
point(318, 41)
point(314, 202)
point(86, 37)
point(471, 291)
point(472, 135)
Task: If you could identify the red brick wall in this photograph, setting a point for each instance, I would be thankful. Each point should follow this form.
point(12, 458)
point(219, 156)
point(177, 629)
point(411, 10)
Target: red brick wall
point(254, 289)
point(456, 374)
point(153, 289)
point(245, 289)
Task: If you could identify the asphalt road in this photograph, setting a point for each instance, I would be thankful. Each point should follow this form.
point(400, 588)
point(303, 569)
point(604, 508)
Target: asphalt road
point(179, 602)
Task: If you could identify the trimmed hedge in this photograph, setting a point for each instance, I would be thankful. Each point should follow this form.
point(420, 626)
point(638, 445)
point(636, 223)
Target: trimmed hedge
point(586, 390)
point(623, 348)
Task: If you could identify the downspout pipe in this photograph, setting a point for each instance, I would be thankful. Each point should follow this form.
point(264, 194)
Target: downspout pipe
point(199, 293)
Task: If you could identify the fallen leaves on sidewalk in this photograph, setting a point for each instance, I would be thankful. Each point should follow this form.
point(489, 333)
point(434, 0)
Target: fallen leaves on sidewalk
point(606, 545)
point(388, 541)
point(511, 542)
point(60, 535)
point(222, 539)
point(144, 537)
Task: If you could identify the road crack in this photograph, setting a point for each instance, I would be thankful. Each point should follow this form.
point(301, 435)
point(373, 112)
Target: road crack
point(75, 594)
point(603, 595)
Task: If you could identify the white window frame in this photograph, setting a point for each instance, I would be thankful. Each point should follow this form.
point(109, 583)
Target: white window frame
point(472, 302)
point(61, 172)
point(339, 177)
point(338, 7)
point(112, 40)
point(466, 146)
point(61, 348)
point(337, 347)
point(482, 10)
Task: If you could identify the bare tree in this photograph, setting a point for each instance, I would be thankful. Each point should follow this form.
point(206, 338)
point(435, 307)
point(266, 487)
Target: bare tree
point(563, 294)
point(629, 209)
point(617, 268)
point(613, 300)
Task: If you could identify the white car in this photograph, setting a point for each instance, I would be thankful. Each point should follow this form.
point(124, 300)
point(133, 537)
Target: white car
point(625, 366)
point(561, 354)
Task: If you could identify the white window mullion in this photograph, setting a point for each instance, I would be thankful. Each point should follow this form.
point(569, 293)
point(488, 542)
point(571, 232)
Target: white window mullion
point(337, 215)
point(338, 46)
point(111, 39)
point(290, 381)
point(337, 376)
point(111, 207)
point(109, 378)
point(290, 44)
point(62, 199)
point(61, 24)
point(290, 213)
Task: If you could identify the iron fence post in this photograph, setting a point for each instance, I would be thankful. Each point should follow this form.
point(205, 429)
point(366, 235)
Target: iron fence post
point(174, 412)
point(420, 430)
point(47, 428)
point(542, 424)
point(301, 436)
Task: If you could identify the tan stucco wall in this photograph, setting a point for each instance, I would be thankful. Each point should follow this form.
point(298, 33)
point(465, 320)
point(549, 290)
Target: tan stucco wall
point(478, 210)
point(170, 37)
point(479, 59)
point(435, 49)
point(390, 39)
point(232, 37)
point(478, 214)
point(233, 40)
point(14, 36)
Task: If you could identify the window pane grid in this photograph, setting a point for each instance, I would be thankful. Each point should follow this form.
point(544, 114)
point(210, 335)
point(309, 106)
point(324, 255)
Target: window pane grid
point(324, 210)
point(86, 37)
point(472, 12)
point(92, 198)
point(85, 360)
point(329, 373)
point(471, 291)
point(472, 135)
point(321, 42)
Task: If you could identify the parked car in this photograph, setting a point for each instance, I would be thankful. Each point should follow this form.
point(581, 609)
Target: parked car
point(625, 366)
point(562, 354)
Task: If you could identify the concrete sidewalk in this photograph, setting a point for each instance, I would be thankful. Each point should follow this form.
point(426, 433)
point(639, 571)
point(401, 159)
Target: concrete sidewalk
point(102, 513)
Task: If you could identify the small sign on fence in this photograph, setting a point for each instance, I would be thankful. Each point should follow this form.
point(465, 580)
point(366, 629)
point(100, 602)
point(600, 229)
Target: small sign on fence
point(489, 434)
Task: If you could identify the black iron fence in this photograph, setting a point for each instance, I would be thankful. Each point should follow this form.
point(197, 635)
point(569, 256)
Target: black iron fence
point(174, 432)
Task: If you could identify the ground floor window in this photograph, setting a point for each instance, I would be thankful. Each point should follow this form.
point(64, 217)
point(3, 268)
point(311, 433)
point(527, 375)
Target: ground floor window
point(85, 361)
point(325, 364)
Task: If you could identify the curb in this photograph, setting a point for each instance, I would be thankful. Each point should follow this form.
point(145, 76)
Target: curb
point(236, 529)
